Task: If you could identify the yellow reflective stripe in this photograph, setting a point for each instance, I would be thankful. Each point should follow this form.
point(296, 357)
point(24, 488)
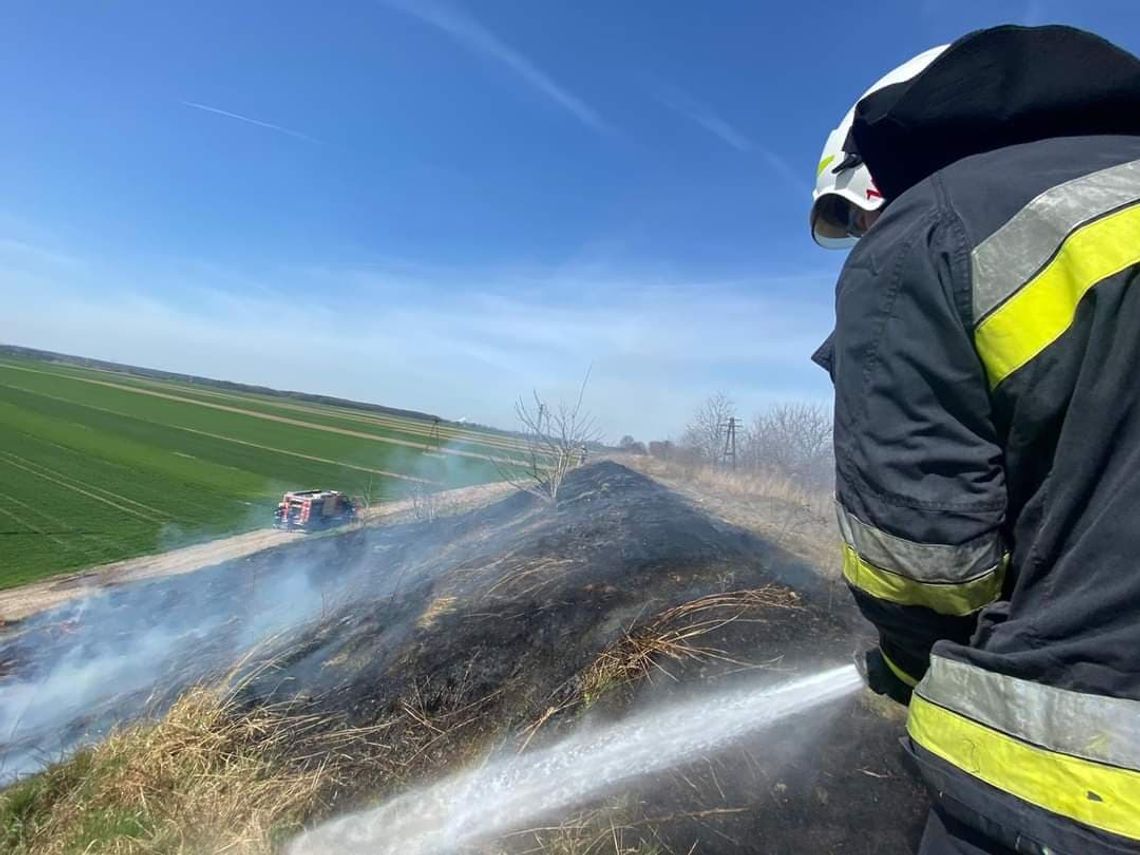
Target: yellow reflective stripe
point(1099, 728)
point(1104, 797)
point(823, 164)
point(924, 562)
point(1045, 307)
point(958, 599)
point(1016, 252)
point(897, 671)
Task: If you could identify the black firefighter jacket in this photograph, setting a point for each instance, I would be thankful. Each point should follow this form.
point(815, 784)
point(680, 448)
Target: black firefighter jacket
point(986, 362)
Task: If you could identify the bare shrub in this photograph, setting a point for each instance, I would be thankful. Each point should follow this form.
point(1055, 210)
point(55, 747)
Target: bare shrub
point(556, 439)
point(705, 434)
point(631, 446)
point(425, 503)
point(793, 441)
point(370, 495)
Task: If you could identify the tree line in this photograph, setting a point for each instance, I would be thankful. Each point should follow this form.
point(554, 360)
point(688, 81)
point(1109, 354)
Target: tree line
point(792, 440)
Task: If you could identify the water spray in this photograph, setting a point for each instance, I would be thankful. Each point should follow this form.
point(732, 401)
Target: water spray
point(506, 793)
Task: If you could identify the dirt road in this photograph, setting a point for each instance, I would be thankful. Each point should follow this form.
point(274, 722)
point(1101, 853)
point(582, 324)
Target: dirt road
point(18, 603)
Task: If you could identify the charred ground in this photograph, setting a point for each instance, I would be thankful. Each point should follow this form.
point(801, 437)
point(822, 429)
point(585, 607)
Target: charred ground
point(503, 628)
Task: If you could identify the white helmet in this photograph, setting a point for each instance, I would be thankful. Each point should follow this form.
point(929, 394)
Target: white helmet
point(842, 180)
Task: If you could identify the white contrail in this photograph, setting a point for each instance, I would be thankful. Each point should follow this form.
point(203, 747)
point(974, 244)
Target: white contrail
point(474, 36)
point(250, 120)
point(707, 118)
point(704, 116)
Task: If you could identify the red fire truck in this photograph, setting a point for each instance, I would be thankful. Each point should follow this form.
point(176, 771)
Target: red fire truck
point(311, 510)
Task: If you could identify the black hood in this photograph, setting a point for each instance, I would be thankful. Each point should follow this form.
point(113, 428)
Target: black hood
point(994, 88)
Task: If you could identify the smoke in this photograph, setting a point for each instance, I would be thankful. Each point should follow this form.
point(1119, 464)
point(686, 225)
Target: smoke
point(111, 657)
point(503, 795)
point(71, 674)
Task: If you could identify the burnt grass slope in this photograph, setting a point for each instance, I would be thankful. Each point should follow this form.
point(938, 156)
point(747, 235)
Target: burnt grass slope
point(520, 619)
point(500, 629)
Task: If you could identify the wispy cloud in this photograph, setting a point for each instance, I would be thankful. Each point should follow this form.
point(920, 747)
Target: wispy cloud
point(249, 120)
point(793, 178)
point(471, 34)
point(707, 118)
point(693, 110)
point(657, 347)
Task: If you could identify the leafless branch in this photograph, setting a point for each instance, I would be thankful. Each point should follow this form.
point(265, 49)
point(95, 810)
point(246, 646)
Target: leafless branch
point(556, 440)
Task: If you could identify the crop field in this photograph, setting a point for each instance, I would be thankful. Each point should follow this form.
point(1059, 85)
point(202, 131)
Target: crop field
point(97, 466)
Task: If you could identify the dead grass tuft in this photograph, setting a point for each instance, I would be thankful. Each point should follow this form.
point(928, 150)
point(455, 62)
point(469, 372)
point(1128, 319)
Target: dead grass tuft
point(617, 828)
point(603, 831)
point(676, 634)
point(436, 608)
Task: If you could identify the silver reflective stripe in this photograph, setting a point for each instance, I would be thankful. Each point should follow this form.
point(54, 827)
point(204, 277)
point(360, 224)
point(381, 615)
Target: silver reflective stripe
point(923, 562)
point(1009, 258)
point(1093, 727)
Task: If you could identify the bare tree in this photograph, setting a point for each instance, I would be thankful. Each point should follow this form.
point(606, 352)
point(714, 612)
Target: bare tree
point(425, 502)
point(793, 440)
point(704, 436)
point(557, 439)
point(370, 495)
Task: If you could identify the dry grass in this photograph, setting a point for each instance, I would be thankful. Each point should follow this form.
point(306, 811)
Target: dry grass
point(677, 634)
point(436, 609)
point(617, 828)
point(674, 635)
point(769, 485)
point(799, 519)
point(596, 832)
point(210, 777)
point(741, 483)
point(531, 578)
point(203, 779)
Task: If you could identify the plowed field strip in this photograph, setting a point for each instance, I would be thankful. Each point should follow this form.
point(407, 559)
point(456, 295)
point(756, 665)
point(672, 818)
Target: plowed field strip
point(63, 476)
point(139, 514)
point(246, 443)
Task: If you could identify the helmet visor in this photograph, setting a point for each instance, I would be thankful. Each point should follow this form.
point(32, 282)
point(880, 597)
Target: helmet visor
point(835, 218)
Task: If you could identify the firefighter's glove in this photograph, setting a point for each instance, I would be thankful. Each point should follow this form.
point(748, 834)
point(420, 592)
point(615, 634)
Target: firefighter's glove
point(879, 677)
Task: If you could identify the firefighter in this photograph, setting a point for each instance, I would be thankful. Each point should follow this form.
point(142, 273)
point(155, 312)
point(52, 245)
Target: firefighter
point(986, 363)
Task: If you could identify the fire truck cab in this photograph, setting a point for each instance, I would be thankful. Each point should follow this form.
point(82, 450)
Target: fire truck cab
point(311, 510)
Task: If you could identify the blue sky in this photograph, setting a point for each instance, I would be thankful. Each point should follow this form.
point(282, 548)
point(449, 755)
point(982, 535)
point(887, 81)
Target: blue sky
point(445, 204)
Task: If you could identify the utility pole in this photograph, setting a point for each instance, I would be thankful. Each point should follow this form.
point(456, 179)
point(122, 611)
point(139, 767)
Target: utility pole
point(435, 440)
point(728, 455)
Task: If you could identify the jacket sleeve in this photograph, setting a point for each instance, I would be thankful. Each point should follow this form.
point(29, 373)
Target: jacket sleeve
point(920, 487)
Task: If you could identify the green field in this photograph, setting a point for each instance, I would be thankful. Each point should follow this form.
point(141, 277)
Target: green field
point(97, 466)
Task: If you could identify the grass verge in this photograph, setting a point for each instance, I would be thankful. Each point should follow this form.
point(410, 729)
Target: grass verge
point(203, 779)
